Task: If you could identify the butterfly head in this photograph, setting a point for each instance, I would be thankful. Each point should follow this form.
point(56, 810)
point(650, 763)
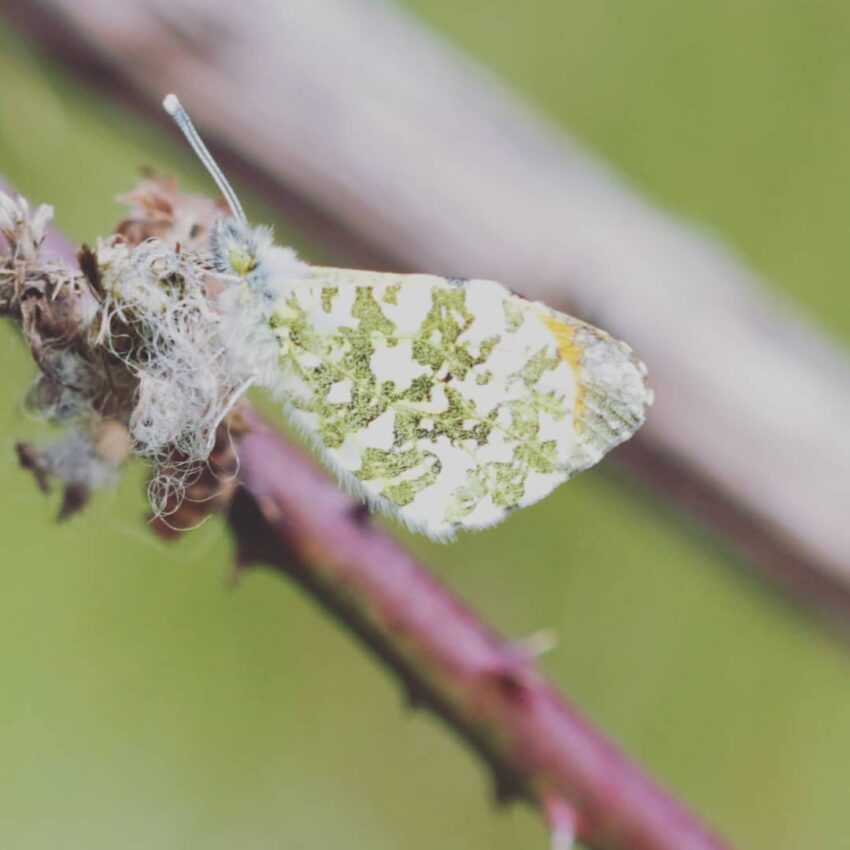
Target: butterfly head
point(238, 248)
point(235, 243)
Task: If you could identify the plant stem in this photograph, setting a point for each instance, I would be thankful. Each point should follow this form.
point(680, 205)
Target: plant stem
point(290, 516)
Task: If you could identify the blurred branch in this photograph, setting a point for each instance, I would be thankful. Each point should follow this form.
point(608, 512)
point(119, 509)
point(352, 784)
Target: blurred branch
point(351, 143)
point(286, 513)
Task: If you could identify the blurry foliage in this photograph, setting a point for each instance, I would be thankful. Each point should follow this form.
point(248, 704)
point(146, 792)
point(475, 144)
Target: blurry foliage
point(143, 705)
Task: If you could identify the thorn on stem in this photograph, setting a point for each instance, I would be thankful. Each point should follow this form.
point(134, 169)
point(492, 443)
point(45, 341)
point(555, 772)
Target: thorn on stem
point(562, 820)
point(234, 577)
point(360, 514)
point(411, 697)
point(562, 839)
point(506, 789)
point(537, 644)
point(243, 559)
point(511, 684)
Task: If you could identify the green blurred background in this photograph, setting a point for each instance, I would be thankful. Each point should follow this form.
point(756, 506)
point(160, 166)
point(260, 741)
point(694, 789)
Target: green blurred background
point(146, 704)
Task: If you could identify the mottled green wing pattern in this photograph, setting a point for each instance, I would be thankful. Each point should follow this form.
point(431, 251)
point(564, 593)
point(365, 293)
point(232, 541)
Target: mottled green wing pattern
point(449, 403)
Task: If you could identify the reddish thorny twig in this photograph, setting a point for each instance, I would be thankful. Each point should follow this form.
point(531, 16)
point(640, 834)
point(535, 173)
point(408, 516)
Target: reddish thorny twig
point(285, 513)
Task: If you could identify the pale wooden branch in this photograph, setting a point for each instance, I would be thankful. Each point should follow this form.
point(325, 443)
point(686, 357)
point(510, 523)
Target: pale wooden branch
point(410, 156)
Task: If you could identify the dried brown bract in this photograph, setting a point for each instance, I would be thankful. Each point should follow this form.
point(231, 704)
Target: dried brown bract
point(127, 351)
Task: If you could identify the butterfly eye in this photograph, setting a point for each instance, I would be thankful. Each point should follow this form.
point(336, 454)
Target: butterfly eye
point(241, 261)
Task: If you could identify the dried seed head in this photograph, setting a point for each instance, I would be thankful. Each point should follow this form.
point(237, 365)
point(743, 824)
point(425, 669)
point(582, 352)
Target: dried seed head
point(129, 348)
point(25, 232)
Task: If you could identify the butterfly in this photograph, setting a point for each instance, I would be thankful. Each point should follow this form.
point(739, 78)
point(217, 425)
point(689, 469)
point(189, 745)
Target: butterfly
point(444, 402)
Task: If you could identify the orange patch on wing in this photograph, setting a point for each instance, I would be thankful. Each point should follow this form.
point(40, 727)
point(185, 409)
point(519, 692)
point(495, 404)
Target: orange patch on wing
point(571, 354)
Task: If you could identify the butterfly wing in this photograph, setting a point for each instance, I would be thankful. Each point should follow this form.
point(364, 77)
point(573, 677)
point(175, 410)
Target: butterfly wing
point(449, 403)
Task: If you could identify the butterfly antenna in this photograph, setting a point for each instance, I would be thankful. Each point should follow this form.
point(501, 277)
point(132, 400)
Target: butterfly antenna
point(181, 118)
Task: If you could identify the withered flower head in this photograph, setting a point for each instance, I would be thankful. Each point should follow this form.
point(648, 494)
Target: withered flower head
point(127, 346)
